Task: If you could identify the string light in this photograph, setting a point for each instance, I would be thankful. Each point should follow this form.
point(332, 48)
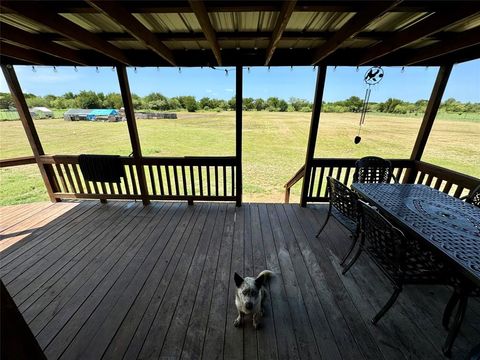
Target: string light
point(358, 68)
point(135, 70)
point(403, 69)
point(179, 70)
point(97, 69)
point(335, 68)
point(248, 69)
point(226, 72)
point(269, 68)
point(291, 68)
point(75, 69)
point(33, 69)
point(55, 69)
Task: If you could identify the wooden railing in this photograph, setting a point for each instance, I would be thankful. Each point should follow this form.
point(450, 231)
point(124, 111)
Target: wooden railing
point(24, 160)
point(175, 178)
point(448, 181)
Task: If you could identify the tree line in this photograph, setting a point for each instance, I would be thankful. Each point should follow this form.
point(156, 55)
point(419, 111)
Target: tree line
point(158, 102)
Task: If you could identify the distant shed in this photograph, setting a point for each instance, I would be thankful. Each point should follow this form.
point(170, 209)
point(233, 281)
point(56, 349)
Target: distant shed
point(103, 114)
point(76, 114)
point(42, 111)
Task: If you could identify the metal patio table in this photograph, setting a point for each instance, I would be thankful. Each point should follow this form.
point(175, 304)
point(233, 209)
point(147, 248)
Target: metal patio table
point(449, 225)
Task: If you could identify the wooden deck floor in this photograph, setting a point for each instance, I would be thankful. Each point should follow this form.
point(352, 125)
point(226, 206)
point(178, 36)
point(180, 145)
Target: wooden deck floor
point(120, 280)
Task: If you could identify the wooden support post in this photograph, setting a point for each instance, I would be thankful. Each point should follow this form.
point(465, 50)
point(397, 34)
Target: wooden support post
point(238, 132)
point(45, 170)
point(133, 132)
point(428, 119)
point(312, 136)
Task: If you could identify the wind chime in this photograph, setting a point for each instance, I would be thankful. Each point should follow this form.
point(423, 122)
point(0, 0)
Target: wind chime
point(372, 77)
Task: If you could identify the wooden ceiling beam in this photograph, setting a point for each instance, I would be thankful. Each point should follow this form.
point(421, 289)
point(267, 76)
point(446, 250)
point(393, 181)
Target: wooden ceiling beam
point(37, 42)
point(177, 6)
point(201, 13)
point(459, 42)
point(30, 56)
point(431, 25)
point(114, 10)
point(358, 22)
point(67, 28)
point(246, 35)
point(282, 21)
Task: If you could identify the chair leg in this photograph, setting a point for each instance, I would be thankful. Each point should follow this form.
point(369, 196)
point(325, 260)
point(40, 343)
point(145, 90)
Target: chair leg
point(388, 305)
point(352, 246)
point(352, 260)
point(325, 223)
point(452, 334)
point(447, 313)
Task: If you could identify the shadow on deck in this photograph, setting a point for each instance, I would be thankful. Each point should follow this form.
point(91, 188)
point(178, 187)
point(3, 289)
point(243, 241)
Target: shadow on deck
point(122, 280)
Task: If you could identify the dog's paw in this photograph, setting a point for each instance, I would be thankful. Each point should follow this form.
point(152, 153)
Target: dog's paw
point(257, 326)
point(237, 322)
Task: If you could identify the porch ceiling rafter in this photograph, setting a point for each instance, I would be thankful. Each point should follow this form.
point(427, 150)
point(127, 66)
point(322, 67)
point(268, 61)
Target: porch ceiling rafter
point(358, 22)
point(30, 40)
point(246, 35)
point(458, 42)
point(137, 6)
point(432, 24)
point(67, 28)
point(281, 24)
point(134, 27)
point(30, 56)
point(201, 13)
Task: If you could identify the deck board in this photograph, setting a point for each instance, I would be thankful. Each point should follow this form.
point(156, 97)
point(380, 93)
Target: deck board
point(120, 280)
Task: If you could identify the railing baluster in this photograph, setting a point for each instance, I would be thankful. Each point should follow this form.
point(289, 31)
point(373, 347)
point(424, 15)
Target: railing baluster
point(175, 179)
point(69, 178)
point(216, 180)
point(438, 183)
point(429, 180)
point(199, 168)
point(133, 179)
point(169, 184)
point(447, 187)
point(184, 181)
point(192, 179)
point(62, 179)
point(320, 180)
point(104, 188)
point(77, 178)
point(224, 180)
point(152, 179)
point(458, 192)
point(160, 180)
point(312, 181)
point(346, 178)
point(233, 180)
point(339, 173)
point(208, 180)
point(95, 187)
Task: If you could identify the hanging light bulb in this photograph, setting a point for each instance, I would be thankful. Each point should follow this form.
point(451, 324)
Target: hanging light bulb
point(226, 72)
point(33, 69)
point(97, 69)
point(135, 70)
point(403, 69)
point(248, 69)
point(75, 69)
point(179, 70)
point(269, 68)
point(55, 69)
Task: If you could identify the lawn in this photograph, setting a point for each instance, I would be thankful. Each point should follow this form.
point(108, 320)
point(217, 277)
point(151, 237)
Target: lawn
point(274, 145)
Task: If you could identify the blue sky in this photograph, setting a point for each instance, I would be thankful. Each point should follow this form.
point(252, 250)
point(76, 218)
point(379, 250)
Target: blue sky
point(410, 85)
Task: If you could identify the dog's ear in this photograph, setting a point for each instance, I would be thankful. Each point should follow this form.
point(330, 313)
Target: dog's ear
point(238, 280)
point(259, 281)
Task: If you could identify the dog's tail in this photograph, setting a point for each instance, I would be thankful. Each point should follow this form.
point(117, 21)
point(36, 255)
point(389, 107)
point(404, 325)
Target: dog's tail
point(266, 273)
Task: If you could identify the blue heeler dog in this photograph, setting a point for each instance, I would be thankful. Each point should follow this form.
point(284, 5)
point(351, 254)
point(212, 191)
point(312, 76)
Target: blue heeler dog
point(250, 296)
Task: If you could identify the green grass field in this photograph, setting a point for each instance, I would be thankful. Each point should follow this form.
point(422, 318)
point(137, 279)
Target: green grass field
point(274, 145)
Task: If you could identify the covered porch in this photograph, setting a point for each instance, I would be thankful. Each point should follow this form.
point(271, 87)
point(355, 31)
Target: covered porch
point(120, 280)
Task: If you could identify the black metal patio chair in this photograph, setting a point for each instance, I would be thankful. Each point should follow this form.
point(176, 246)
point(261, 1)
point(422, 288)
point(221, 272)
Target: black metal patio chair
point(343, 206)
point(474, 197)
point(403, 260)
point(372, 170)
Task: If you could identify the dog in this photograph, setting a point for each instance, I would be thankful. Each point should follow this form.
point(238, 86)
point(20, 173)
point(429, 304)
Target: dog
point(250, 296)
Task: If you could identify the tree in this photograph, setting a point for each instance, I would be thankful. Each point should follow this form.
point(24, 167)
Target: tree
point(354, 104)
point(248, 104)
point(232, 103)
point(282, 105)
point(190, 103)
point(113, 101)
point(154, 96)
point(205, 102)
point(259, 104)
point(6, 101)
point(272, 103)
point(88, 100)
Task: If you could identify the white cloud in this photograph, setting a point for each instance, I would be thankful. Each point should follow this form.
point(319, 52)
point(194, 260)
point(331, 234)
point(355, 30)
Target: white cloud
point(229, 90)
